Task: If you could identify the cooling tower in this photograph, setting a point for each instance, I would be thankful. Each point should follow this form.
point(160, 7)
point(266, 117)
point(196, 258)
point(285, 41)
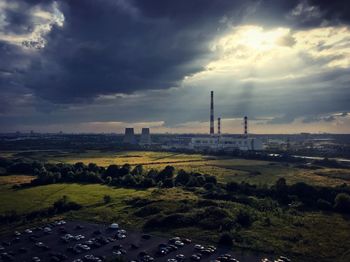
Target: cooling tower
point(129, 137)
point(145, 137)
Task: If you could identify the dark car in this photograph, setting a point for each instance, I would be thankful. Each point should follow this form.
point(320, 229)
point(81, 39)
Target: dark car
point(195, 257)
point(146, 236)
point(22, 250)
point(6, 257)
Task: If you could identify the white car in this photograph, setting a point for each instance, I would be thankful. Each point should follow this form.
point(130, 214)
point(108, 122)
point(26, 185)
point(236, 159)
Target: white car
point(114, 226)
point(85, 247)
point(121, 236)
point(28, 231)
point(79, 237)
point(179, 243)
point(198, 247)
point(47, 230)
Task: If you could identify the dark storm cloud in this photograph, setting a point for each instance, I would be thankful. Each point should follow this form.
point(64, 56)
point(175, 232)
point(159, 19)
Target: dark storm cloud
point(109, 46)
point(106, 48)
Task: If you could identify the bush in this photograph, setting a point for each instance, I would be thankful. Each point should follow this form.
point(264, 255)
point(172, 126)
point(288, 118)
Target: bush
point(225, 240)
point(64, 205)
point(147, 211)
point(342, 203)
point(168, 183)
point(209, 186)
point(323, 204)
point(107, 199)
point(243, 218)
point(182, 177)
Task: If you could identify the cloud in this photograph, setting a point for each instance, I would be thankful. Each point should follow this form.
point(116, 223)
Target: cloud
point(156, 61)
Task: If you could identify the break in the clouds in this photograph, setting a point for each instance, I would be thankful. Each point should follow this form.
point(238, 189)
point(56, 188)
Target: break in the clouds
point(101, 65)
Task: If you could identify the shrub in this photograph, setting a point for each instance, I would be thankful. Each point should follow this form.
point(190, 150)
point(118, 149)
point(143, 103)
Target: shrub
point(107, 199)
point(168, 183)
point(323, 204)
point(244, 218)
point(225, 240)
point(209, 186)
point(342, 203)
point(63, 205)
point(182, 177)
point(147, 211)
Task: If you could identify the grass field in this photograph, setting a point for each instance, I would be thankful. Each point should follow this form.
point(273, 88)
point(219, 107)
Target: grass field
point(224, 168)
point(303, 234)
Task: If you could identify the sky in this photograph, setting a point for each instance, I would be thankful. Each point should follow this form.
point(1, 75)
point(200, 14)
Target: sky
point(103, 65)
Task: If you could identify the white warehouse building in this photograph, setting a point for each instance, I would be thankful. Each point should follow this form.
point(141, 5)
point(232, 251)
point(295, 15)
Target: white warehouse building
point(217, 143)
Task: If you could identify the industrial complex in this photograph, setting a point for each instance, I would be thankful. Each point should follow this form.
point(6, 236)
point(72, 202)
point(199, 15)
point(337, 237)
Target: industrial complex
point(212, 142)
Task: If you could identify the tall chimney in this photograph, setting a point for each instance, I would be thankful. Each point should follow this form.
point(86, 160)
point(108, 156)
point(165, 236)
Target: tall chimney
point(245, 126)
point(219, 126)
point(212, 112)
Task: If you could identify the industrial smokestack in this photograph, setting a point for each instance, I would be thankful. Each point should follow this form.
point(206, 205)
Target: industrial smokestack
point(212, 113)
point(219, 126)
point(245, 126)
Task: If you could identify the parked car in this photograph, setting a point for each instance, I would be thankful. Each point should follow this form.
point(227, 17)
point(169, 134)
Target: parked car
point(146, 236)
point(195, 257)
point(180, 257)
point(28, 231)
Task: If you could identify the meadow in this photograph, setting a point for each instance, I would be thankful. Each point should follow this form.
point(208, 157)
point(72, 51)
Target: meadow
point(305, 236)
point(225, 168)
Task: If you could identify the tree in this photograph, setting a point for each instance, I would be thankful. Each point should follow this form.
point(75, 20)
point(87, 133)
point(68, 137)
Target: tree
point(232, 186)
point(108, 180)
point(129, 180)
point(112, 171)
point(282, 190)
point(125, 170)
point(209, 186)
point(210, 179)
point(153, 173)
point(225, 239)
point(182, 177)
point(342, 203)
point(167, 172)
point(147, 182)
point(168, 183)
point(137, 171)
point(323, 204)
point(93, 167)
point(243, 218)
point(107, 199)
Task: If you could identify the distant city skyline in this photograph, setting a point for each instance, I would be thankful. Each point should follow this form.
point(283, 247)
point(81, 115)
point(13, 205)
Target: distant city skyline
point(101, 66)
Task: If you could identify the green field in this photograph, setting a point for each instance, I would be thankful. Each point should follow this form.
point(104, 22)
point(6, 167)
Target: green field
point(304, 235)
point(224, 168)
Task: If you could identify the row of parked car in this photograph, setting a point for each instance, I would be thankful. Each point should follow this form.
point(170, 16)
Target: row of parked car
point(73, 242)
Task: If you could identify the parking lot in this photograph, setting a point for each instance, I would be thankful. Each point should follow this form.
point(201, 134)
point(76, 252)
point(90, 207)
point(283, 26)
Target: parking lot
point(82, 241)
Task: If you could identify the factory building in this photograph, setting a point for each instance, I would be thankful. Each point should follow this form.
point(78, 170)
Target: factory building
point(218, 142)
point(223, 143)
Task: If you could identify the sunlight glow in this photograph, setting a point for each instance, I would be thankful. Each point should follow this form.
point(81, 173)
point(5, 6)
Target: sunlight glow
point(252, 53)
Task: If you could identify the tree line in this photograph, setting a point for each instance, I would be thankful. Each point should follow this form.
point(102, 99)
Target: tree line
point(299, 195)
